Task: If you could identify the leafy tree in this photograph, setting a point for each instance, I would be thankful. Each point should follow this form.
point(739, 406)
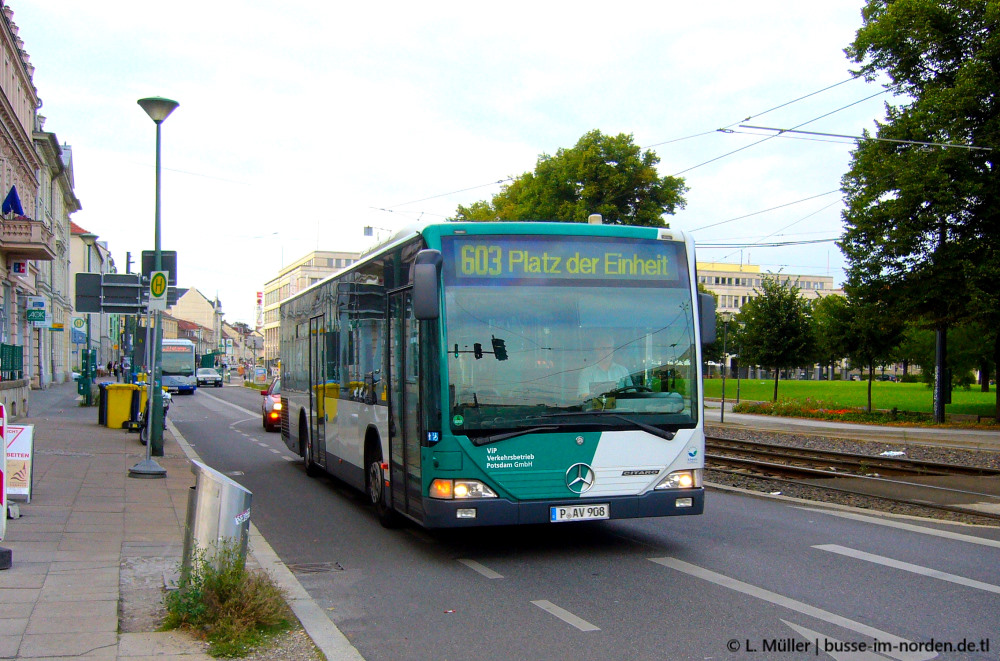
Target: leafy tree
point(920, 218)
point(875, 332)
point(831, 329)
point(965, 351)
point(602, 174)
point(774, 327)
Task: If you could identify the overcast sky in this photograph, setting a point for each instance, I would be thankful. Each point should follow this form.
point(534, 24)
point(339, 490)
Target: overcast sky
point(301, 122)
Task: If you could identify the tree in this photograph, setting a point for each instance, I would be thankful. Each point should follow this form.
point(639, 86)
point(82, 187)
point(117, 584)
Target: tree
point(875, 333)
point(601, 174)
point(921, 218)
point(831, 329)
point(774, 327)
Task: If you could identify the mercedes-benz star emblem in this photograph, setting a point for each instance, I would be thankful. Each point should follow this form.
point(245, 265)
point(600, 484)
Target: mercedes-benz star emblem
point(579, 478)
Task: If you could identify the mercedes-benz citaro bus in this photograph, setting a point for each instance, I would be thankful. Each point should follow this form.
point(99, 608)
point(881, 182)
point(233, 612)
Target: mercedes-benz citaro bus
point(466, 374)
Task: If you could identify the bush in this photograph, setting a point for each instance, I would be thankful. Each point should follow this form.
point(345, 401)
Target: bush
point(224, 603)
point(811, 408)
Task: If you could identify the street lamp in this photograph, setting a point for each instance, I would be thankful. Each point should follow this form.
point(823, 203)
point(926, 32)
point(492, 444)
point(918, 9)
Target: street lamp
point(725, 333)
point(158, 110)
point(88, 240)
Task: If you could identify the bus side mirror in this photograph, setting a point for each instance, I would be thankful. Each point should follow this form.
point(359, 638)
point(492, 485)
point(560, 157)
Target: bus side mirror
point(706, 308)
point(426, 280)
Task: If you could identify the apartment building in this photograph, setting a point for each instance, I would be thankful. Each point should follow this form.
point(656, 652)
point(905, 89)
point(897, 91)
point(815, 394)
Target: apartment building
point(297, 276)
point(735, 283)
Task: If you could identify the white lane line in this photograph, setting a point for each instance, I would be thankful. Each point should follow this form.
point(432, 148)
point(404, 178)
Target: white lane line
point(906, 566)
point(813, 638)
point(275, 451)
point(971, 539)
point(230, 404)
point(482, 569)
point(262, 444)
point(565, 616)
point(289, 458)
point(792, 604)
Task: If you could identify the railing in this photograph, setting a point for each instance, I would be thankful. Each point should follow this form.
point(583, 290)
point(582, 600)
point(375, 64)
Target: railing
point(11, 362)
point(28, 237)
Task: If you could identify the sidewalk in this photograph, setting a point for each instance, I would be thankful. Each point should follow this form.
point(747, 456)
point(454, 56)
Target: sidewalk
point(91, 533)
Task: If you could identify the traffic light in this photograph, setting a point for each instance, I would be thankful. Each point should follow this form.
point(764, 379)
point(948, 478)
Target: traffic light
point(499, 349)
point(477, 350)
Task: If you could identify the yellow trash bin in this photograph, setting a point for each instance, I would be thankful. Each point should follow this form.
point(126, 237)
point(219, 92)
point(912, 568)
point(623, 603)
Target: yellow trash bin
point(119, 404)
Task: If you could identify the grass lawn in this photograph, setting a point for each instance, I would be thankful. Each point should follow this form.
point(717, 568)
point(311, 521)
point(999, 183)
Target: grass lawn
point(854, 394)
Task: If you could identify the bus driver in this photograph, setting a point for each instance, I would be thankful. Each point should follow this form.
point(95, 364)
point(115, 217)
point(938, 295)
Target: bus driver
point(604, 374)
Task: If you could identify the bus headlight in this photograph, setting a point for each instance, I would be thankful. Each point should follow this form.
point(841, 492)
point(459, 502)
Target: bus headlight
point(679, 480)
point(460, 489)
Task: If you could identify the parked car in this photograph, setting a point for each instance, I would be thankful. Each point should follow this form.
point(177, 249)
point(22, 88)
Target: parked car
point(209, 377)
point(270, 407)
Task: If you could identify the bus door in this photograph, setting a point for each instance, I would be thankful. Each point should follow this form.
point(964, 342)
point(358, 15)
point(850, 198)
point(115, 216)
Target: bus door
point(404, 422)
point(317, 389)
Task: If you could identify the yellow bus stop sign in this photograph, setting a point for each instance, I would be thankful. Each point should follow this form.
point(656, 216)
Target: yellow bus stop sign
point(158, 290)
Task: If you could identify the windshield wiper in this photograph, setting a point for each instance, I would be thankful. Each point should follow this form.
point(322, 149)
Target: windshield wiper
point(655, 431)
point(496, 438)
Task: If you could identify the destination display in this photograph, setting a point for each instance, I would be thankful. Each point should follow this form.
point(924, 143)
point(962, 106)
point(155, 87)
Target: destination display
point(543, 257)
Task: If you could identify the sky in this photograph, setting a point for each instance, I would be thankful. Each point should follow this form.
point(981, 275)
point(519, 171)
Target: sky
point(301, 123)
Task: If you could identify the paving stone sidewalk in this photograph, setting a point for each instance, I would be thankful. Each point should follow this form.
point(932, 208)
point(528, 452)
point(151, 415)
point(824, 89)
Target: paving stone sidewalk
point(61, 596)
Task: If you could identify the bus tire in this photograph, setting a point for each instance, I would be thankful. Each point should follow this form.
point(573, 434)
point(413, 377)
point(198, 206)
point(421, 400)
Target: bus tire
point(375, 486)
point(312, 470)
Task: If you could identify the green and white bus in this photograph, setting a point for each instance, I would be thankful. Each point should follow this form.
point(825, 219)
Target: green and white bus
point(468, 374)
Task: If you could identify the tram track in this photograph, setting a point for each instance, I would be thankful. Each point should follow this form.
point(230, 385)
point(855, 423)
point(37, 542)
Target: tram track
point(853, 473)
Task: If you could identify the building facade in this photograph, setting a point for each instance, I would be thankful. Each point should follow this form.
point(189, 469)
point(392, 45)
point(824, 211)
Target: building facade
point(300, 274)
point(88, 255)
point(206, 315)
point(735, 283)
point(36, 186)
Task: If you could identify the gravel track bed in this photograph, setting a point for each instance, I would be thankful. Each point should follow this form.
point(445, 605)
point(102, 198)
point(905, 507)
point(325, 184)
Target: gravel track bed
point(976, 458)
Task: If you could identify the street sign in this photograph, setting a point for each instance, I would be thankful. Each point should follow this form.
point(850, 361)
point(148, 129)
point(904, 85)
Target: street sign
point(88, 292)
point(168, 263)
point(121, 292)
point(158, 290)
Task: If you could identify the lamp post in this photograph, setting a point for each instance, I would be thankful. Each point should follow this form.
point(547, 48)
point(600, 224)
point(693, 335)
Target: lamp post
point(158, 110)
point(725, 333)
point(85, 366)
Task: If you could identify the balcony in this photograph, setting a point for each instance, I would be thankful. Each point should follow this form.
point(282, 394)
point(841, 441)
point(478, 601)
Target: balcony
point(24, 238)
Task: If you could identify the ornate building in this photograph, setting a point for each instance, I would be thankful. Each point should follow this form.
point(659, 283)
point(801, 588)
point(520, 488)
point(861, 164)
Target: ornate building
point(36, 185)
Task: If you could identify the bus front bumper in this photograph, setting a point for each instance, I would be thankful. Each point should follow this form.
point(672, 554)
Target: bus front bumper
point(500, 511)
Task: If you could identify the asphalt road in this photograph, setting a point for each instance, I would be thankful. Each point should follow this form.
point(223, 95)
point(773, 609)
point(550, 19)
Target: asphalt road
point(752, 578)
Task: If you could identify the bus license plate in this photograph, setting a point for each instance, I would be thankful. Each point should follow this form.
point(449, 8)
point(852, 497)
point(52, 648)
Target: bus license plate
point(579, 513)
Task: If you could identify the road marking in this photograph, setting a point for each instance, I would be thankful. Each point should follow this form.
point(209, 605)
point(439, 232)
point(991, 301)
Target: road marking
point(235, 406)
point(813, 637)
point(565, 616)
point(971, 539)
point(792, 604)
point(482, 569)
point(289, 458)
point(906, 566)
point(263, 444)
point(275, 451)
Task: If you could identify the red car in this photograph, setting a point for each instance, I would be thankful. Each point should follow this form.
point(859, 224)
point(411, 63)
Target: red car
point(271, 406)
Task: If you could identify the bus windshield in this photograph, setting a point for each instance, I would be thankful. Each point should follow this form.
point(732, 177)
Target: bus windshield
point(178, 360)
point(538, 327)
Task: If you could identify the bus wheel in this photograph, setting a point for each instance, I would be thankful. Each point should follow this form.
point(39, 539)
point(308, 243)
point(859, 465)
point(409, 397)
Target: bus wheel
point(376, 492)
point(312, 470)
